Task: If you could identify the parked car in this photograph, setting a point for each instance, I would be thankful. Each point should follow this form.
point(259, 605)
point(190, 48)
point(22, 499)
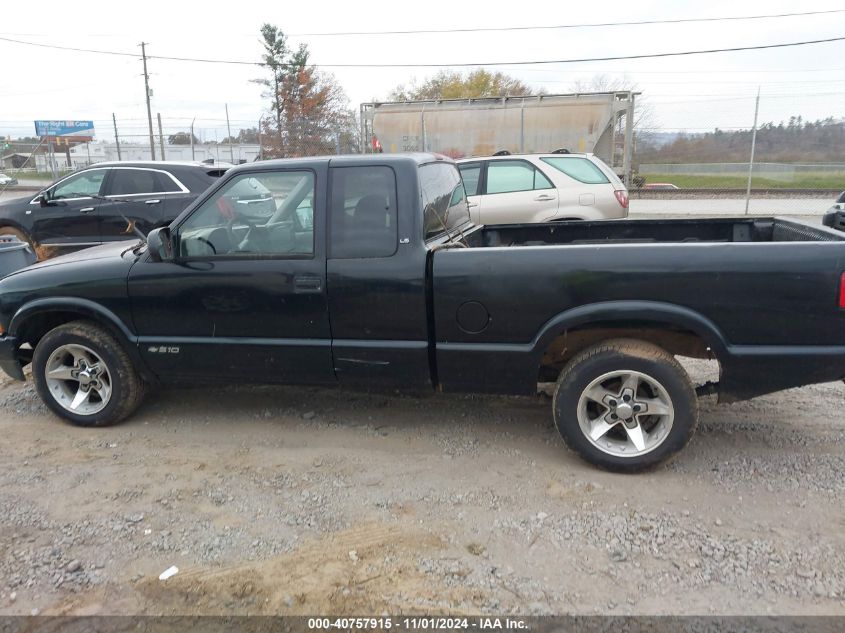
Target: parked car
point(835, 216)
point(519, 188)
point(92, 205)
point(7, 180)
point(668, 186)
point(370, 273)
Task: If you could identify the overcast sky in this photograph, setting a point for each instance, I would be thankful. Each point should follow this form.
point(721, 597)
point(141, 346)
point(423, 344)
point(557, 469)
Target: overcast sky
point(696, 93)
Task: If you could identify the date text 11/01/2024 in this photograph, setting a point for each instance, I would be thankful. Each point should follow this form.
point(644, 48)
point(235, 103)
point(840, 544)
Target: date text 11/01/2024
point(417, 623)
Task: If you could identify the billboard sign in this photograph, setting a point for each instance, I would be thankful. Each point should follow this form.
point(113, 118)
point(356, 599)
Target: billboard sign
point(65, 128)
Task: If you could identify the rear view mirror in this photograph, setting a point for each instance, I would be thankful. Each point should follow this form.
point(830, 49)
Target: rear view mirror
point(160, 245)
point(41, 198)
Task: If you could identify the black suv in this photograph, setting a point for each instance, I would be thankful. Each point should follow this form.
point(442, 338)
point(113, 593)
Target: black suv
point(92, 205)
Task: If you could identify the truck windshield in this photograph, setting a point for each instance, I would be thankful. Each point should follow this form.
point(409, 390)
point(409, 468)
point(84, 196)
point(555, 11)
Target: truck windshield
point(444, 199)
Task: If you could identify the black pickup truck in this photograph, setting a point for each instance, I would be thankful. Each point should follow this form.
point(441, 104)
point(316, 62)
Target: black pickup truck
point(367, 271)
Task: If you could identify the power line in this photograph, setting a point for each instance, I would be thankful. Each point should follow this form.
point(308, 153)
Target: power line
point(454, 65)
point(68, 48)
point(566, 26)
point(519, 28)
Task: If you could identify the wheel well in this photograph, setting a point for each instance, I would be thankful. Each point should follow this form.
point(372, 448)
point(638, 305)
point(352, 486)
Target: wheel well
point(675, 340)
point(36, 326)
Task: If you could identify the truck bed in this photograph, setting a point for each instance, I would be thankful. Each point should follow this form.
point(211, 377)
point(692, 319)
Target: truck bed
point(761, 295)
point(653, 231)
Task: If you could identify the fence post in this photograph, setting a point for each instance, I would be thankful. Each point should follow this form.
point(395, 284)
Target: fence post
point(160, 136)
point(116, 137)
point(753, 145)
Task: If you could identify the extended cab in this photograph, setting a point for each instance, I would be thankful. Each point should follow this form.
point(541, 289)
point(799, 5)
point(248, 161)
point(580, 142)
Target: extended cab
point(366, 270)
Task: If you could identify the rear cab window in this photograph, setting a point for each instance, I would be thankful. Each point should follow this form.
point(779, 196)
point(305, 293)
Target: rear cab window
point(443, 198)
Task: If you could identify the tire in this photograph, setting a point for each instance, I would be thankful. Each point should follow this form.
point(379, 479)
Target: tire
point(22, 236)
point(642, 385)
point(106, 391)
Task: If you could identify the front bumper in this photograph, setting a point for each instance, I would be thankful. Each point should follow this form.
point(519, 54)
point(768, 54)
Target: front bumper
point(9, 361)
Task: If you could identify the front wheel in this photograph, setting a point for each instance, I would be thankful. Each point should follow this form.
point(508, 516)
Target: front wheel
point(21, 235)
point(84, 376)
point(625, 405)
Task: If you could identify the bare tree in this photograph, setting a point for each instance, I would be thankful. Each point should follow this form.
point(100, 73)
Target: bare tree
point(645, 120)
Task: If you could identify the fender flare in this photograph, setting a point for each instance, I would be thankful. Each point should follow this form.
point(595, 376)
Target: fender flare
point(650, 311)
point(84, 307)
point(11, 223)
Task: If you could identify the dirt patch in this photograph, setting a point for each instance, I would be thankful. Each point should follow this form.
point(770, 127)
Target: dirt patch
point(275, 500)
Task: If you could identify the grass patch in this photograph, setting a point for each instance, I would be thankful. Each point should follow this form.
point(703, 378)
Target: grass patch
point(809, 180)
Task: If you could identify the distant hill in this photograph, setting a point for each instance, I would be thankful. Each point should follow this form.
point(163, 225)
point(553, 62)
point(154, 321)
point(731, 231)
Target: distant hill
point(797, 141)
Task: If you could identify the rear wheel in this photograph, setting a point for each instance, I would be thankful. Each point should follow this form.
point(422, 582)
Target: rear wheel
point(83, 374)
point(625, 405)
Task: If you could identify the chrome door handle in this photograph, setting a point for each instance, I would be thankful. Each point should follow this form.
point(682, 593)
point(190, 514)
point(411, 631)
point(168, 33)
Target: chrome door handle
point(87, 210)
point(152, 201)
point(472, 205)
point(544, 198)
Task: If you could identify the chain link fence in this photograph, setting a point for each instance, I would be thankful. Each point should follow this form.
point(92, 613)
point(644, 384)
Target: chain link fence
point(35, 161)
point(797, 168)
point(792, 168)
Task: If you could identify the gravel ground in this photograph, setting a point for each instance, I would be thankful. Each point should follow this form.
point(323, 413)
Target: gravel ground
point(299, 500)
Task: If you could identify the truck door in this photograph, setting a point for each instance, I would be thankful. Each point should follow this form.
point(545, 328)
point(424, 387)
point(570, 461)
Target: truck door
point(246, 296)
point(376, 277)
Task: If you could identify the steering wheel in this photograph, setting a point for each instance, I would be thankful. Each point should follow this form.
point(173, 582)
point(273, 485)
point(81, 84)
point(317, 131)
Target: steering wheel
point(208, 243)
point(230, 227)
point(231, 214)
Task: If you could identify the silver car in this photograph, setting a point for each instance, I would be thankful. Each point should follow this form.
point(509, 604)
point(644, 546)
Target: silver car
point(525, 188)
point(835, 215)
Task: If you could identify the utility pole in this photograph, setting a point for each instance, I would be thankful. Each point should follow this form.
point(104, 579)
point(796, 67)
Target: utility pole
point(260, 150)
point(192, 138)
point(147, 95)
point(229, 131)
point(116, 139)
point(753, 145)
point(160, 135)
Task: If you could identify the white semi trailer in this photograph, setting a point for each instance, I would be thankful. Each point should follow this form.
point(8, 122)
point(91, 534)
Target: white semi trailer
point(600, 123)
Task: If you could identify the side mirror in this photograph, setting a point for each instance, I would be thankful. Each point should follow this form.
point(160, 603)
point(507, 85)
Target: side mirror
point(42, 199)
point(160, 245)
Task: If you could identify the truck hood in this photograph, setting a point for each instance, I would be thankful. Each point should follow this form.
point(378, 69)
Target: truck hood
point(112, 250)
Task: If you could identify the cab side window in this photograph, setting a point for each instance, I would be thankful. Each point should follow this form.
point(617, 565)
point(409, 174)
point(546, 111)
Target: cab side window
point(363, 215)
point(264, 214)
point(508, 176)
